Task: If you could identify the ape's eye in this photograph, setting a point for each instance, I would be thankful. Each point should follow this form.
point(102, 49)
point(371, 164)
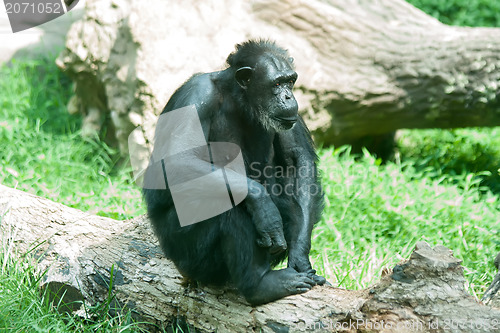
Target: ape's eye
point(277, 84)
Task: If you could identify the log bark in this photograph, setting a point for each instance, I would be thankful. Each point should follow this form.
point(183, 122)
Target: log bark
point(365, 67)
point(390, 66)
point(492, 294)
point(79, 252)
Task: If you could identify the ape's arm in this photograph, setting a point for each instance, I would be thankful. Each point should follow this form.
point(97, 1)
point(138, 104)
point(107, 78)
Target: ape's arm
point(201, 92)
point(295, 149)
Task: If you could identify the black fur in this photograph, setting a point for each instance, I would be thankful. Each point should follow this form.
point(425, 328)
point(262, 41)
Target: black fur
point(251, 104)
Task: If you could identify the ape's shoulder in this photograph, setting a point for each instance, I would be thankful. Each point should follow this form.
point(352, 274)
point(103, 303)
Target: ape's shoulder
point(203, 83)
point(199, 90)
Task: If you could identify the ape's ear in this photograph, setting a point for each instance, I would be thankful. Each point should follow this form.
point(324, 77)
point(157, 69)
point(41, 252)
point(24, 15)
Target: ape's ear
point(243, 76)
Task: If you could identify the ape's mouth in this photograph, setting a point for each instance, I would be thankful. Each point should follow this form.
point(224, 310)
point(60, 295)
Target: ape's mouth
point(287, 121)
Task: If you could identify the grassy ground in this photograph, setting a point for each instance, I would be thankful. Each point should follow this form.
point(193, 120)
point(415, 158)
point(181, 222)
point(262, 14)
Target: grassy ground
point(42, 151)
point(443, 187)
point(376, 213)
point(473, 13)
point(23, 308)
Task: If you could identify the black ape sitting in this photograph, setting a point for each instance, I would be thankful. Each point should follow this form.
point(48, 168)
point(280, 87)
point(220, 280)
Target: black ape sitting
point(249, 105)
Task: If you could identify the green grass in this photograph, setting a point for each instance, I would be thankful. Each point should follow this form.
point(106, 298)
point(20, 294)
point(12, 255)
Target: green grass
point(473, 13)
point(455, 152)
point(376, 213)
point(43, 153)
point(24, 308)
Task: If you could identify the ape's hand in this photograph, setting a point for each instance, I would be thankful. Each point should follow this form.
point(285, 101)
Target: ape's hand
point(267, 220)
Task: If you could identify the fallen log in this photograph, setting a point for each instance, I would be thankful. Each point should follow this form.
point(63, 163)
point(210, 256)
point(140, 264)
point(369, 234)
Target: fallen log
point(82, 255)
point(492, 295)
point(366, 68)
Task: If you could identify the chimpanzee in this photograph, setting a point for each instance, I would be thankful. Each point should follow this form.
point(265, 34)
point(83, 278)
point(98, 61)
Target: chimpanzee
point(250, 105)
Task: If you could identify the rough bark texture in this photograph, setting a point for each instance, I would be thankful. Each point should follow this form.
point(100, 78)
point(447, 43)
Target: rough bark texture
point(79, 251)
point(492, 295)
point(365, 67)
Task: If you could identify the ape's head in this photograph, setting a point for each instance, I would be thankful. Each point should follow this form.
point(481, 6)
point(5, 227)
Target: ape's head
point(266, 76)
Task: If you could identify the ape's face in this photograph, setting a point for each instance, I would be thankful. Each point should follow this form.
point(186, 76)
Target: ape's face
point(268, 88)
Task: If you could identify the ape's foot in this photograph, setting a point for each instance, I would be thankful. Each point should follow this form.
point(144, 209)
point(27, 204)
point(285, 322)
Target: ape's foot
point(278, 284)
point(319, 280)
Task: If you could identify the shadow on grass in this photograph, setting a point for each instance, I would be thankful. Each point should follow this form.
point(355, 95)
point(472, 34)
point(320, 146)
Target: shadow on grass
point(455, 152)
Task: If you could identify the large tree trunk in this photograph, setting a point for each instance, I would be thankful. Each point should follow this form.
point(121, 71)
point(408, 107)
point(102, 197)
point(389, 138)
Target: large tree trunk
point(386, 65)
point(365, 67)
point(79, 252)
